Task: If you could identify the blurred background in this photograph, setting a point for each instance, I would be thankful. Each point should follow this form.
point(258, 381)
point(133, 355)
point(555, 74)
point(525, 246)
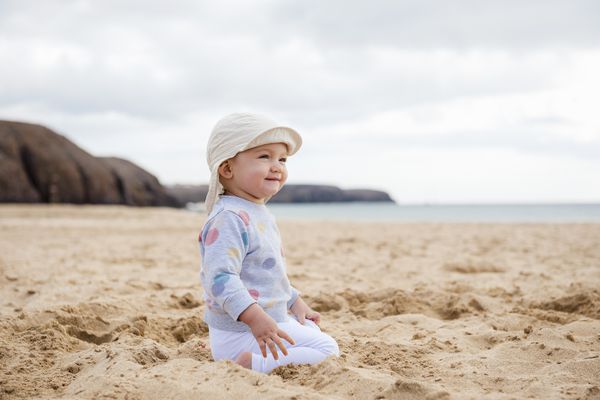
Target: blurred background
point(429, 101)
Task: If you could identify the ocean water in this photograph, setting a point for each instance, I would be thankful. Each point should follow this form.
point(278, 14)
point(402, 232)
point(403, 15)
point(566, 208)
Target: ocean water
point(507, 213)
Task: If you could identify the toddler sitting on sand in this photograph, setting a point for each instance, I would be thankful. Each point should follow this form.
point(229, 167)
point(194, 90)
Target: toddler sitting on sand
point(247, 292)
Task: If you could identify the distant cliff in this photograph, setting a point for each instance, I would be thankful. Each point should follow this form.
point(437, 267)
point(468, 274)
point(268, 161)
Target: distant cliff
point(38, 165)
point(326, 194)
point(289, 194)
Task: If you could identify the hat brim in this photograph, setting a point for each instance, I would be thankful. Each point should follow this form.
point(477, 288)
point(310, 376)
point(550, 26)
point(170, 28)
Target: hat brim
point(281, 134)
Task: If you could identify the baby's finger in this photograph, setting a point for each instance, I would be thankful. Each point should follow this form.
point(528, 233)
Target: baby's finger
point(281, 345)
point(273, 349)
point(301, 318)
point(316, 318)
point(263, 348)
point(284, 335)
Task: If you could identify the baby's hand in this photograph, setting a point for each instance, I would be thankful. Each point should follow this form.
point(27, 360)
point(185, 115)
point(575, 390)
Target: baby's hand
point(265, 331)
point(302, 311)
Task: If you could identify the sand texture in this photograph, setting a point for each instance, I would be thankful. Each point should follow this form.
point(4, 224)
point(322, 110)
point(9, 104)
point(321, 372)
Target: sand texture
point(105, 303)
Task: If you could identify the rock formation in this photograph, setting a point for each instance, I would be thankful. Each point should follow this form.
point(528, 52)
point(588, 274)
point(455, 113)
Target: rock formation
point(326, 194)
point(39, 165)
point(289, 194)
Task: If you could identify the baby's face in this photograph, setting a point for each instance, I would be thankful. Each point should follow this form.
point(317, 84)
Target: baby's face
point(257, 173)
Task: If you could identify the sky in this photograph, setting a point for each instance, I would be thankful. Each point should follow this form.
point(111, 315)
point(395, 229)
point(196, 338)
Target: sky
point(431, 101)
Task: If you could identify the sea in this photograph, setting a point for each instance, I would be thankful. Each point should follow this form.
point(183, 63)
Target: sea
point(431, 213)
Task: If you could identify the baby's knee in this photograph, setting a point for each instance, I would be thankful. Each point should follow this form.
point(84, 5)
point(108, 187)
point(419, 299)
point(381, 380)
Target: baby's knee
point(330, 346)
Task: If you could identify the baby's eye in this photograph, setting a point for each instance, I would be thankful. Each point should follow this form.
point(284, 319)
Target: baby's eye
point(283, 160)
point(264, 156)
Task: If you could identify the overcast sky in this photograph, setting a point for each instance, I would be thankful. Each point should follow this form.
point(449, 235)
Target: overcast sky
point(431, 101)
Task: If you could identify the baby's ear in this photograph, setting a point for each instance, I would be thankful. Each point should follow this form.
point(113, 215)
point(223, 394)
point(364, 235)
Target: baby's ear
point(225, 169)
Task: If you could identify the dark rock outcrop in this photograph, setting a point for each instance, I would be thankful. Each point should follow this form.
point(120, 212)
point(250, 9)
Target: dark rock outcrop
point(308, 194)
point(136, 185)
point(289, 194)
point(366, 195)
point(39, 165)
point(326, 194)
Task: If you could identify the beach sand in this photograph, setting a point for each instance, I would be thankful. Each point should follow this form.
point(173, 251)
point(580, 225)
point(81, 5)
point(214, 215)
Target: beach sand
point(105, 302)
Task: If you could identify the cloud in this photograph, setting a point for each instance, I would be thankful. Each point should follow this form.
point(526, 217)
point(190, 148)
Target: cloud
point(437, 78)
point(159, 62)
point(432, 24)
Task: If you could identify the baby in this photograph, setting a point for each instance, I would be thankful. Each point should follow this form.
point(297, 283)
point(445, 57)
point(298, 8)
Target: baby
point(247, 292)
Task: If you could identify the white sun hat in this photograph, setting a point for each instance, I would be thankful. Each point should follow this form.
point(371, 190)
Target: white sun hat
point(238, 132)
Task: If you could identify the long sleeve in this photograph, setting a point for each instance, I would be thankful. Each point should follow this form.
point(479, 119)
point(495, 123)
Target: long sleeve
point(295, 294)
point(225, 244)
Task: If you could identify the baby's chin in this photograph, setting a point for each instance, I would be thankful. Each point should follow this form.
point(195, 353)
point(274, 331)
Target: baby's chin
point(273, 183)
point(273, 187)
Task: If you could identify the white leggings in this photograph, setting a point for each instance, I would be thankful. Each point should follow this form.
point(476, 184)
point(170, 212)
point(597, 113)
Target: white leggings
point(312, 346)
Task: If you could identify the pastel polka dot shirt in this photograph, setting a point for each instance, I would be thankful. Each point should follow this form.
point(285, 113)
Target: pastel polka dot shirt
point(242, 264)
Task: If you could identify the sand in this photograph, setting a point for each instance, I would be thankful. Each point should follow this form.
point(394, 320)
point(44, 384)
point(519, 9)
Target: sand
point(105, 302)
